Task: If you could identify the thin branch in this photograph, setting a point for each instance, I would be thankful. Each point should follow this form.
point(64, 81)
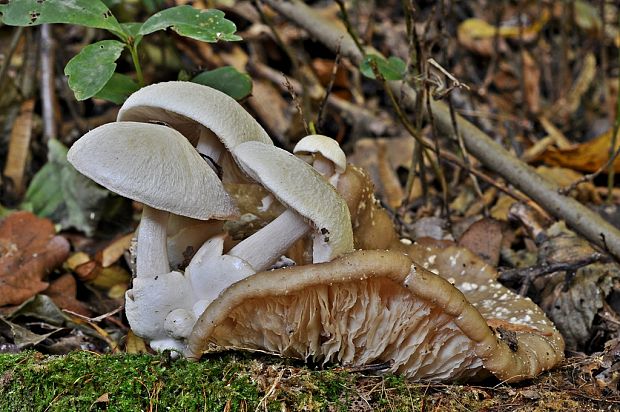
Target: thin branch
point(48, 91)
point(328, 90)
point(528, 274)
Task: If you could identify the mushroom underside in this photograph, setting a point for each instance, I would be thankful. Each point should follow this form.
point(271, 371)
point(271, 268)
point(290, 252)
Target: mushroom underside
point(373, 307)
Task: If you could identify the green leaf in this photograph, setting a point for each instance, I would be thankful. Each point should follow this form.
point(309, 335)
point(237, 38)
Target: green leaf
point(62, 194)
point(91, 13)
point(132, 30)
point(391, 69)
point(90, 69)
point(118, 88)
point(204, 25)
point(228, 80)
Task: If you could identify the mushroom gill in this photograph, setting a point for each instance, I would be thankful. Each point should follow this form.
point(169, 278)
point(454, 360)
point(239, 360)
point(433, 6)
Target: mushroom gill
point(370, 307)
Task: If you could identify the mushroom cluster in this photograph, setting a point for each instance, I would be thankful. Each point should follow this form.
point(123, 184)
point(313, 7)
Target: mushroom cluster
point(179, 149)
point(174, 148)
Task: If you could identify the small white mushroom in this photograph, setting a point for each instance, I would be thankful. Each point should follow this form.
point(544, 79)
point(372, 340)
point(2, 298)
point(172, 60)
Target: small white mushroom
point(324, 154)
point(154, 165)
point(310, 201)
point(313, 206)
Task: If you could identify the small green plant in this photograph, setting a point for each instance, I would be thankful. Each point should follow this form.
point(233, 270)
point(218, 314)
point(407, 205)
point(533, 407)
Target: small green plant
point(392, 68)
point(92, 72)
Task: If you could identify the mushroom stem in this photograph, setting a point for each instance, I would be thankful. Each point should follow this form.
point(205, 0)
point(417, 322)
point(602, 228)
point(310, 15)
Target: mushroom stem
point(264, 247)
point(324, 166)
point(152, 256)
point(209, 145)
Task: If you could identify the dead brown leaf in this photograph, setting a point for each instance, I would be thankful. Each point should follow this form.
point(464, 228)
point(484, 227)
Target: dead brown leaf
point(484, 238)
point(29, 249)
point(19, 147)
point(115, 250)
point(381, 158)
point(274, 115)
point(63, 292)
point(531, 82)
point(586, 157)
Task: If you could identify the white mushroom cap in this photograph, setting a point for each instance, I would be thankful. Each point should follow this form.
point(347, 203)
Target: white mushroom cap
point(298, 186)
point(326, 146)
point(178, 103)
point(154, 165)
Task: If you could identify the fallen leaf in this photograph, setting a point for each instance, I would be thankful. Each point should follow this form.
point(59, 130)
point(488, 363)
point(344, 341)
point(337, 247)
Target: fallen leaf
point(19, 147)
point(115, 250)
point(587, 16)
point(573, 310)
point(76, 260)
point(484, 238)
point(103, 278)
point(478, 36)
point(531, 82)
point(569, 105)
point(501, 209)
point(573, 305)
point(63, 292)
point(40, 307)
point(29, 250)
point(382, 158)
point(275, 115)
point(21, 336)
point(134, 344)
point(324, 68)
point(584, 192)
point(586, 157)
point(105, 398)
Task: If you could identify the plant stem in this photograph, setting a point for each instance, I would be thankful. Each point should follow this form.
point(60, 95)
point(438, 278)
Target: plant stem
point(136, 63)
point(612, 149)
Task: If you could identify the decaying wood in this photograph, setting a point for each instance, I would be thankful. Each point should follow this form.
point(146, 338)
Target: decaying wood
point(19, 147)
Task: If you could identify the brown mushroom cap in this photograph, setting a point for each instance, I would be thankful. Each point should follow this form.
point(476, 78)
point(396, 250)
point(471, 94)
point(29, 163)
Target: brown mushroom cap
point(372, 227)
point(516, 319)
point(370, 307)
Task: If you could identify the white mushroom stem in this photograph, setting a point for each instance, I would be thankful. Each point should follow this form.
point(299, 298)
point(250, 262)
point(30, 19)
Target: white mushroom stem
point(152, 257)
point(324, 166)
point(264, 247)
point(208, 145)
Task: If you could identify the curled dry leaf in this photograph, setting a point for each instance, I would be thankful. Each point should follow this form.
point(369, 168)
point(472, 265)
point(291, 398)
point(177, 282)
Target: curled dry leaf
point(29, 250)
point(573, 309)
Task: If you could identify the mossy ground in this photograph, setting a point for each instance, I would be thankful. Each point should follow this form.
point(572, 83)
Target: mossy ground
point(83, 381)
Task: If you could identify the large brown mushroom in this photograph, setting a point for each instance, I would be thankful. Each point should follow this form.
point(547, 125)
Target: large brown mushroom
point(375, 307)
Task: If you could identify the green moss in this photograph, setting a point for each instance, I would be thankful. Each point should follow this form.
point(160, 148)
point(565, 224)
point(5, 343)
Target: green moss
point(124, 382)
point(83, 381)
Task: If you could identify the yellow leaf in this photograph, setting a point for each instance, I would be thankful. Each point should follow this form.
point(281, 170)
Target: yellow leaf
point(587, 157)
